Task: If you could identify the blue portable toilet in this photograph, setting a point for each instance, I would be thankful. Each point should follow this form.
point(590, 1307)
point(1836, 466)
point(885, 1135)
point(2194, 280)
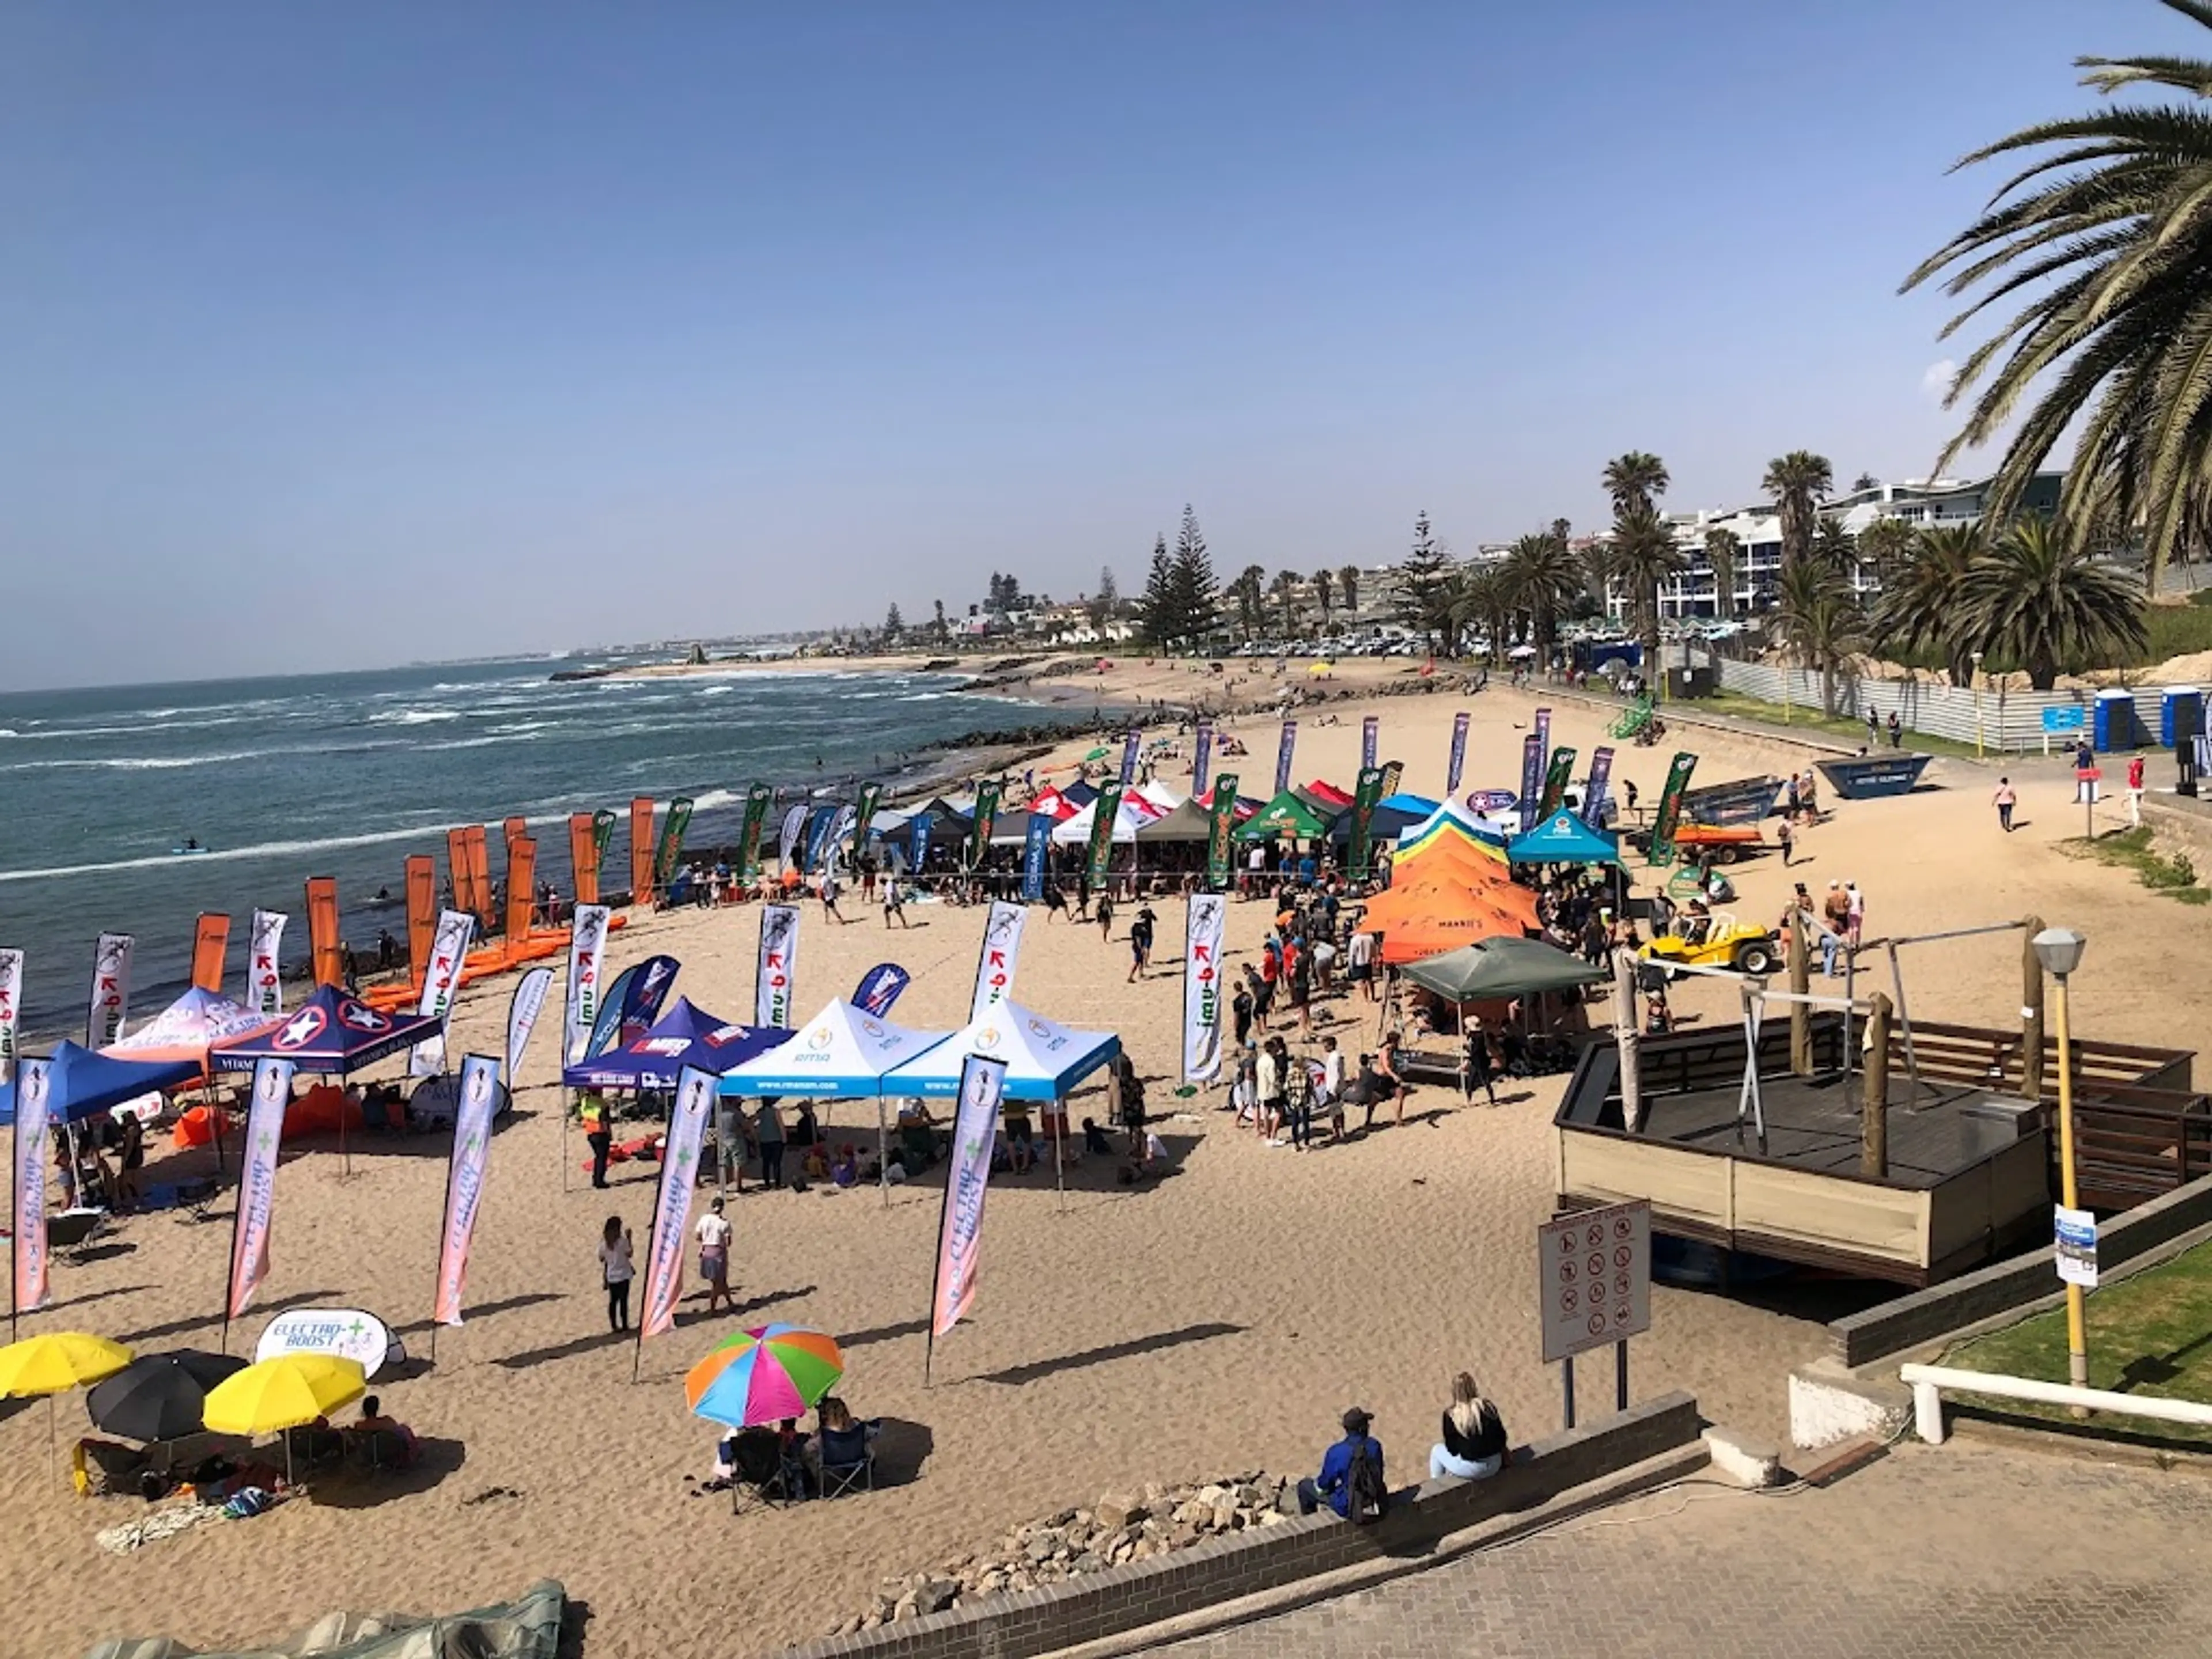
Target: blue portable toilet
point(2113, 722)
point(2180, 710)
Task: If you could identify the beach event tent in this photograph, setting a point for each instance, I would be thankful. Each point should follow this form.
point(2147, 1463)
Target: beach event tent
point(1128, 818)
point(657, 1056)
point(1451, 822)
point(1563, 838)
point(842, 1053)
point(1044, 1058)
point(1416, 807)
point(332, 1033)
point(1325, 794)
point(1159, 797)
point(1429, 918)
point(1286, 817)
point(1246, 804)
point(1499, 970)
point(188, 1028)
point(81, 1083)
point(1188, 822)
point(1055, 804)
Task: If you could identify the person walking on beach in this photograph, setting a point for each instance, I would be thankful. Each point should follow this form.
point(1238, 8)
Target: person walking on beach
point(2006, 799)
point(830, 895)
point(1105, 919)
point(599, 1131)
point(1896, 731)
point(894, 901)
point(1141, 944)
point(714, 1233)
point(616, 1269)
point(1083, 890)
point(1786, 836)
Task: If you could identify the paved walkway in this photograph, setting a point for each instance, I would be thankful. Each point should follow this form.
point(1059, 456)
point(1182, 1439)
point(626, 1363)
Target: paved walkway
point(1954, 1552)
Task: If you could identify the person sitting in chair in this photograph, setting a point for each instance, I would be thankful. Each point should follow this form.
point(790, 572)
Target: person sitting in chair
point(841, 1446)
point(383, 1441)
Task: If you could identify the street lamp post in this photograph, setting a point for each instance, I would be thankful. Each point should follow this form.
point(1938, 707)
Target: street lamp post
point(1977, 705)
point(2059, 950)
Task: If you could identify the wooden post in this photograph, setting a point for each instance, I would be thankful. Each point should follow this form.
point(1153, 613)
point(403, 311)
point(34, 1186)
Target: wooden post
point(1873, 1112)
point(2030, 1012)
point(1800, 985)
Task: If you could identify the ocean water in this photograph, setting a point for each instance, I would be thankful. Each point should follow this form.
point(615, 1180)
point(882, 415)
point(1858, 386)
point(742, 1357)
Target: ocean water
point(345, 774)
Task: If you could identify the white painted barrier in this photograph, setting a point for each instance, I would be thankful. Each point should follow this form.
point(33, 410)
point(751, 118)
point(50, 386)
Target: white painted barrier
point(1928, 1383)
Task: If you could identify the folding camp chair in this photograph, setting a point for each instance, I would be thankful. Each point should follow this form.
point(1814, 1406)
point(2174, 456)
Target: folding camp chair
point(848, 1463)
point(756, 1456)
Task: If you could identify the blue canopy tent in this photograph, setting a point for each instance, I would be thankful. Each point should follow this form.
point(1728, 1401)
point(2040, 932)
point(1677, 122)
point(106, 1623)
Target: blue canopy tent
point(1563, 838)
point(1045, 1060)
point(82, 1083)
point(843, 1053)
point(683, 1036)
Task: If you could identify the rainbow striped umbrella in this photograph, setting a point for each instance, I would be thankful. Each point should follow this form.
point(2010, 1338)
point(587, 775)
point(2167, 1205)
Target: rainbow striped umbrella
point(764, 1376)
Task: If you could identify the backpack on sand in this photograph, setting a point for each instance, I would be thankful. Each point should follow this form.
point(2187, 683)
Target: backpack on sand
point(1366, 1498)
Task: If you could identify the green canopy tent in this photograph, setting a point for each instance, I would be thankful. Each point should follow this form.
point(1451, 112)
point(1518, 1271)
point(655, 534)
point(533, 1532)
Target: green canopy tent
point(1289, 816)
point(1498, 970)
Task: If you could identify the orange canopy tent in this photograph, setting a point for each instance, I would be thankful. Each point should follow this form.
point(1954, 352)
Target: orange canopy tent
point(1429, 917)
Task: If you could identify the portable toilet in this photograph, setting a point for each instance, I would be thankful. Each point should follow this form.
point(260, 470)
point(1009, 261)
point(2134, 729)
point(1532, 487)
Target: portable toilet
point(2180, 714)
point(2114, 723)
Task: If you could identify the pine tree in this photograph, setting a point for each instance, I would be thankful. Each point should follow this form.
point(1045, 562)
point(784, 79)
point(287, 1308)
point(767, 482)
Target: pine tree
point(1157, 610)
point(894, 625)
point(1107, 600)
point(1197, 595)
point(938, 627)
point(1424, 585)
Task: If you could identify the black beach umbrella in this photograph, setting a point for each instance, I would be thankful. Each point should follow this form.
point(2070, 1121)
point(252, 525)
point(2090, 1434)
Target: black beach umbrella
point(159, 1396)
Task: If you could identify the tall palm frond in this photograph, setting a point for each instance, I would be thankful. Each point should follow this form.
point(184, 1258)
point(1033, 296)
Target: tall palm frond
point(1723, 549)
point(2038, 598)
point(1923, 602)
point(1645, 553)
point(1541, 574)
point(1636, 479)
point(1797, 481)
point(1820, 621)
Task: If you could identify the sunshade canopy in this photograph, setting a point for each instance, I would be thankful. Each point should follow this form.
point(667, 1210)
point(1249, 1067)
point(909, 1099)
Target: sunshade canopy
point(1289, 816)
point(1563, 838)
point(842, 1053)
point(1129, 817)
point(1188, 822)
point(82, 1083)
point(1044, 1058)
point(683, 1036)
point(333, 1032)
point(56, 1361)
point(1326, 794)
point(159, 1396)
point(763, 1375)
point(283, 1393)
point(1498, 969)
point(188, 1028)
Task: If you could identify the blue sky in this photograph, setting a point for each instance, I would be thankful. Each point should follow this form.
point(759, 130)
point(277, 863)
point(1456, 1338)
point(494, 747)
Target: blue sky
point(414, 331)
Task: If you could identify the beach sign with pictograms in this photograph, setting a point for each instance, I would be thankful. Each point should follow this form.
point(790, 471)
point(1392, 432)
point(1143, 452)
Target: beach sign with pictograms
point(1595, 1270)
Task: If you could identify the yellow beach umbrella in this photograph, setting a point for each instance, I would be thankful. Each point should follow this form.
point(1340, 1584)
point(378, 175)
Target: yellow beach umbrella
point(283, 1393)
point(57, 1362)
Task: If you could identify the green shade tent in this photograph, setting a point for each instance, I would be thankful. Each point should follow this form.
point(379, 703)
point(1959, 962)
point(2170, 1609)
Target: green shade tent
point(1497, 969)
point(1563, 838)
point(1187, 822)
point(1289, 816)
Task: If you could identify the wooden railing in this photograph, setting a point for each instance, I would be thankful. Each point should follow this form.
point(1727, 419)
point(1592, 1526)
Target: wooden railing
point(2131, 1144)
point(1990, 1059)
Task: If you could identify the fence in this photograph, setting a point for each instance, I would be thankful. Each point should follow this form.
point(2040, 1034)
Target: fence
point(2007, 722)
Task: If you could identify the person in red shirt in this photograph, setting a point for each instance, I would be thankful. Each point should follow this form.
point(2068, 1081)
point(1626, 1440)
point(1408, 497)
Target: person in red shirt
point(2135, 792)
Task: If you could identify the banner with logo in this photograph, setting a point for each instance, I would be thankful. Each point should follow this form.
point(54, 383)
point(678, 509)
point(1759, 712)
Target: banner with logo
point(11, 1011)
point(1365, 792)
point(1036, 849)
point(1201, 757)
point(1543, 729)
point(1001, 954)
point(1283, 755)
point(1370, 739)
point(29, 1209)
point(777, 967)
point(1103, 811)
point(987, 820)
point(1600, 778)
point(1131, 745)
point(1556, 779)
point(449, 946)
point(879, 987)
point(643, 993)
point(110, 1002)
point(264, 987)
point(669, 857)
point(1394, 774)
point(1667, 816)
point(522, 1013)
point(1201, 987)
point(816, 835)
point(210, 946)
point(671, 1207)
point(521, 886)
point(256, 1184)
point(1220, 828)
point(1458, 761)
point(960, 1229)
point(757, 798)
point(787, 834)
point(641, 849)
point(871, 795)
point(922, 843)
point(1532, 780)
point(834, 844)
point(464, 1178)
point(587, 948)
point(603, 838)
point(583, 860)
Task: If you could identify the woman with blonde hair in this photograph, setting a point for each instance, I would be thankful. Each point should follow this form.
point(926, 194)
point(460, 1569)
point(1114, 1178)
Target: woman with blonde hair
point(1473, 1447)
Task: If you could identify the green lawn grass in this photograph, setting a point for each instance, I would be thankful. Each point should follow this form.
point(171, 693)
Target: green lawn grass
point(1810, 720)
point(2131, 849)
point(2148, 1334)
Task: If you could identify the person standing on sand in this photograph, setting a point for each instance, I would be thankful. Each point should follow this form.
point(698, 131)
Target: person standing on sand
point(829, 894)
point(2134, 792)
point(894, 901)
point(616, 1269)
point(715, 1231)
point(599, 1131)
point(1141, 944)
point(1786, 836)
point(1105, 919)
point(2006, 799)
point(769, 1122)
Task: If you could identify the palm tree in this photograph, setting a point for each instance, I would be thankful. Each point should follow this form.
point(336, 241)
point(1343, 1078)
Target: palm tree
point(1820, 621)
point(1323, 581)
point(2103, 225)
point(1797, 481)
point(1286, 590)
point(1483, 600)
point(1248, 590)
point(1923, 600)
point(2038, 598)
point(1636, 479)
point(1645, 553)
point(1541, 575)
point(1347, 583)
point(1722, 550)
point(1835, 546)
point(1887, 545)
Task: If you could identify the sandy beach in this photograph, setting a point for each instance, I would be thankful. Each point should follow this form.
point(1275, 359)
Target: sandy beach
point(1215, 1321)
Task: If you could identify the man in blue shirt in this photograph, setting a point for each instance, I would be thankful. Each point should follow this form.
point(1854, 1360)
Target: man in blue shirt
point(1334, 1485)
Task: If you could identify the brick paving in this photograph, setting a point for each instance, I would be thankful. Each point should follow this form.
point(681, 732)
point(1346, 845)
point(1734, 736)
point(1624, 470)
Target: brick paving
point(1955, 1552)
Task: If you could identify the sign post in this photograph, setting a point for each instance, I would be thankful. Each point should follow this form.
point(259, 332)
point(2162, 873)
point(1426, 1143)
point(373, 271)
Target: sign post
point(1594, 1270)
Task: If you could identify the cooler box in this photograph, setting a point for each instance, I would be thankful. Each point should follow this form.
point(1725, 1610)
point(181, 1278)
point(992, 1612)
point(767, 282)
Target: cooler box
point(2180, 714)
point(2113, 725)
